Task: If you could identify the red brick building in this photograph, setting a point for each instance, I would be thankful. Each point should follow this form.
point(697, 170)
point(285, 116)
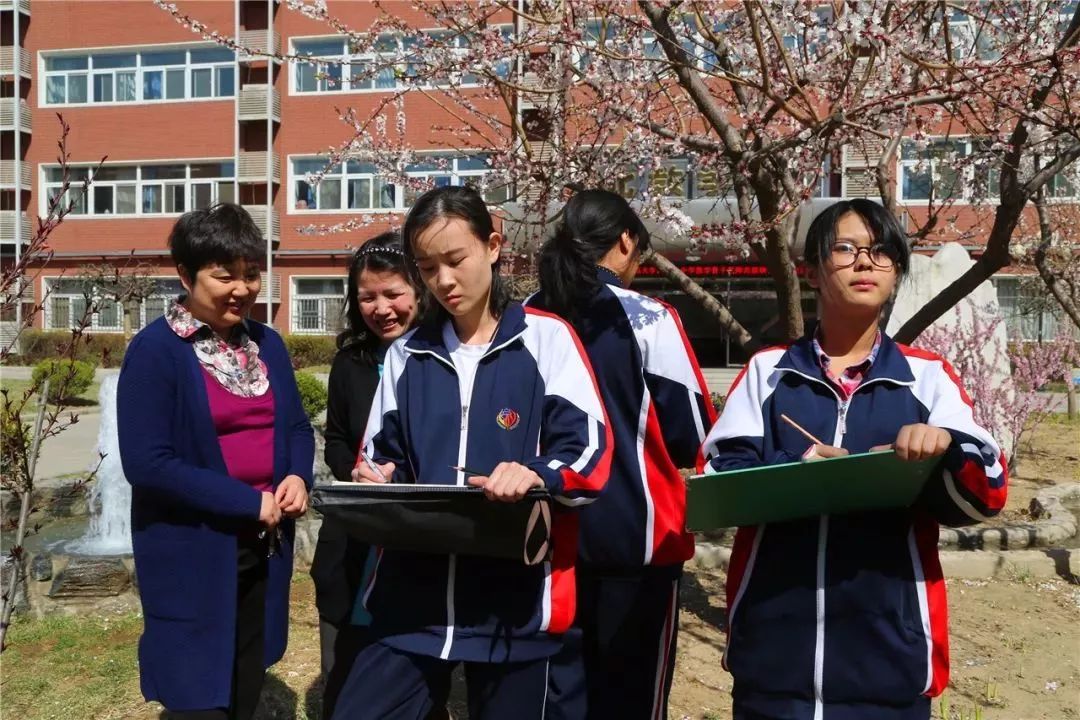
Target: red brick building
point(183, 123)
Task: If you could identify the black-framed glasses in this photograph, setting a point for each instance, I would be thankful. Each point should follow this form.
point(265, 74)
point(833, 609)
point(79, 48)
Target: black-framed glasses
point(845, 254)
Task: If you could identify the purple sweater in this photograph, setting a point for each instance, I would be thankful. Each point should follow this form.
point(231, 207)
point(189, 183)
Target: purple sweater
point(245, 430)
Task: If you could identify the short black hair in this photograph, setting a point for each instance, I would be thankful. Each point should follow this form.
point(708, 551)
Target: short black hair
point(218, 235)
point(464, 203)
point(883, 225)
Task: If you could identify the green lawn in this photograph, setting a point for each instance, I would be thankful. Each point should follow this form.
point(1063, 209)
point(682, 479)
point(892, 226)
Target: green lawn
point(16, 388)
point(59, 668)
point(69, 667)
point(316, 369)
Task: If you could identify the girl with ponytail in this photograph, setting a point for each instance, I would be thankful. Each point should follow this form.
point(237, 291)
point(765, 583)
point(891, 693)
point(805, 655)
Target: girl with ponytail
point(632, 539)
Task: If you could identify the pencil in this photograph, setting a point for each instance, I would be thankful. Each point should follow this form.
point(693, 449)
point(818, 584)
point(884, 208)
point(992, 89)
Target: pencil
point(800, 428)
point(467, 471)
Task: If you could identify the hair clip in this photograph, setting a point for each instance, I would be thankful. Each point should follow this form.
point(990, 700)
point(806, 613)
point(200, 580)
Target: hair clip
point(365, 251)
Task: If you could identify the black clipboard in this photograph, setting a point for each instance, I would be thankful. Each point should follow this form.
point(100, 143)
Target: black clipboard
point(440, 519)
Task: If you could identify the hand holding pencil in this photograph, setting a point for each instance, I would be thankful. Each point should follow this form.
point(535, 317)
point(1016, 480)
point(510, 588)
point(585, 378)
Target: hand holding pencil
point(820, 450)
point(368, 471)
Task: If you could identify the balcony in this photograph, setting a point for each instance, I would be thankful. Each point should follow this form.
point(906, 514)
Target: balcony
point(271, 230)
point(271, 284)
point(7, 174)
point(7, 62)
point(7, 115)
point(22, 5)
point(258, 102)
point(9, 220)
point(261, 40)
point(251, 167)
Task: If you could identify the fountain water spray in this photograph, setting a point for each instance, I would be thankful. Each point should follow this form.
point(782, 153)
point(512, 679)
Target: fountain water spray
point(109, 532)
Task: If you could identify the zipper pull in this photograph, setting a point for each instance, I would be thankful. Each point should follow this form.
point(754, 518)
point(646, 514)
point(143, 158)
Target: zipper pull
point(843, 419)
point(464, 417)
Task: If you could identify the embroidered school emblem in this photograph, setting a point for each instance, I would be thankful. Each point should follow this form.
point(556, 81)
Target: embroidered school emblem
point(508, 419)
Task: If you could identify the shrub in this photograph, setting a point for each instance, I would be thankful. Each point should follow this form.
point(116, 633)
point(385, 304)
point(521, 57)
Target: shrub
point(718, 402)
point(308, 350)
point(312, 394)
point(101, 350)
point(67, 379)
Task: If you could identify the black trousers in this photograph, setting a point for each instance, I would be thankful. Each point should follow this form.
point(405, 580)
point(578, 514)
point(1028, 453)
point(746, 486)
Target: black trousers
point(340, 644)
point(389, 684)
point(619, 657)
point(248, 670)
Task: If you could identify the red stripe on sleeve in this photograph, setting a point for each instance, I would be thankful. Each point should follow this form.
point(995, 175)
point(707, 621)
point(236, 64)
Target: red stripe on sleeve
point(597, 479)
point(926, 539)
point(671, 543)
point(563, 591)
point(710, 411)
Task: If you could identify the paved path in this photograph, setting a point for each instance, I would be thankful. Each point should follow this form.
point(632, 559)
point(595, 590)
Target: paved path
point(72, 451)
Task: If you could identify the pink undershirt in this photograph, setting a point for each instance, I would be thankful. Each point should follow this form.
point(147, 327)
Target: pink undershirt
point(245, 430)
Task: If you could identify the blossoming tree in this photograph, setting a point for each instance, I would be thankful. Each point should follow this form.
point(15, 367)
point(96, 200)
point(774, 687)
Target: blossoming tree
point(757, 105)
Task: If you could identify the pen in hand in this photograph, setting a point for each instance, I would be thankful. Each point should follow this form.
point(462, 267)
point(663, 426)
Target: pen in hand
point(363, 457)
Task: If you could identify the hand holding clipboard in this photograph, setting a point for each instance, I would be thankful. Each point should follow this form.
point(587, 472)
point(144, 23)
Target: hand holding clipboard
point(508, 482)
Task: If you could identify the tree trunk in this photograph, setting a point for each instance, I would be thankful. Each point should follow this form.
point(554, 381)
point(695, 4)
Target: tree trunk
point(714, 307)
point(778, 259)
point(1070, 393)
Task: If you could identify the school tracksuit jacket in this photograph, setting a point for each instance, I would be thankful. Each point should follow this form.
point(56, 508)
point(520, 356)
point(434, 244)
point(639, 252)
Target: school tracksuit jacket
point(534, 401)
point(844, 616)
point(659, 410)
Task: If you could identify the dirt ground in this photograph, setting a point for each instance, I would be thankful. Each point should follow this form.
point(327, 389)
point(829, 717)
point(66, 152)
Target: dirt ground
point(1048, 456)
point(1015, 643)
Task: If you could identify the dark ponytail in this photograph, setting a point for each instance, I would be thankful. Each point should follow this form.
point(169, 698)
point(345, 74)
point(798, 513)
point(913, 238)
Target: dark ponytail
point(464, 203)
point(592, 223)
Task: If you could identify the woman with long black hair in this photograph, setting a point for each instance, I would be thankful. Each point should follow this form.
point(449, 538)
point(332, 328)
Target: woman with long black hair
point(633, 538)
point(381, 305)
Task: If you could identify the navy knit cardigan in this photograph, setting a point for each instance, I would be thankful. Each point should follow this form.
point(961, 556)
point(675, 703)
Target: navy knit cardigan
point(186, 514)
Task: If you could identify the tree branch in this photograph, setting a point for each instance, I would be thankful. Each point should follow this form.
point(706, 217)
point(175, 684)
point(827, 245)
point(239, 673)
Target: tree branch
point(720, 311)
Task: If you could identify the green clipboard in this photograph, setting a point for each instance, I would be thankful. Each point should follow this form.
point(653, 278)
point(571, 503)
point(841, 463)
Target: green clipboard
point(774, 493)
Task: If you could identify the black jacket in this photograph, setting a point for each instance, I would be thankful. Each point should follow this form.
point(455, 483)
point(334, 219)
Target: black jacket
point(339, 561)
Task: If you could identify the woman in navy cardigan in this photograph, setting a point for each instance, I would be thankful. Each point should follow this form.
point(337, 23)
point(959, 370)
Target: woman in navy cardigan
point(219, 453)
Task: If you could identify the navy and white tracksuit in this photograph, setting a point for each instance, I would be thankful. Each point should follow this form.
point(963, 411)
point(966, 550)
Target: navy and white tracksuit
point(533, 401)
point(843, 617)
point(633, 538)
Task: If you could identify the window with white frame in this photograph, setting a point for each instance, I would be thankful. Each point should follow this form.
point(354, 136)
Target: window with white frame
point(159, 75)
point(359, 186)
point(146, 189)
point(318, 305)
point(392, 62)
point(69, 299)
point(937, 167)
point(942, 165)
point(1030, 314)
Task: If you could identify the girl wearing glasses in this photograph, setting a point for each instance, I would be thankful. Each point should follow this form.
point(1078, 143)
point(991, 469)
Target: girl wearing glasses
point(840, 617)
